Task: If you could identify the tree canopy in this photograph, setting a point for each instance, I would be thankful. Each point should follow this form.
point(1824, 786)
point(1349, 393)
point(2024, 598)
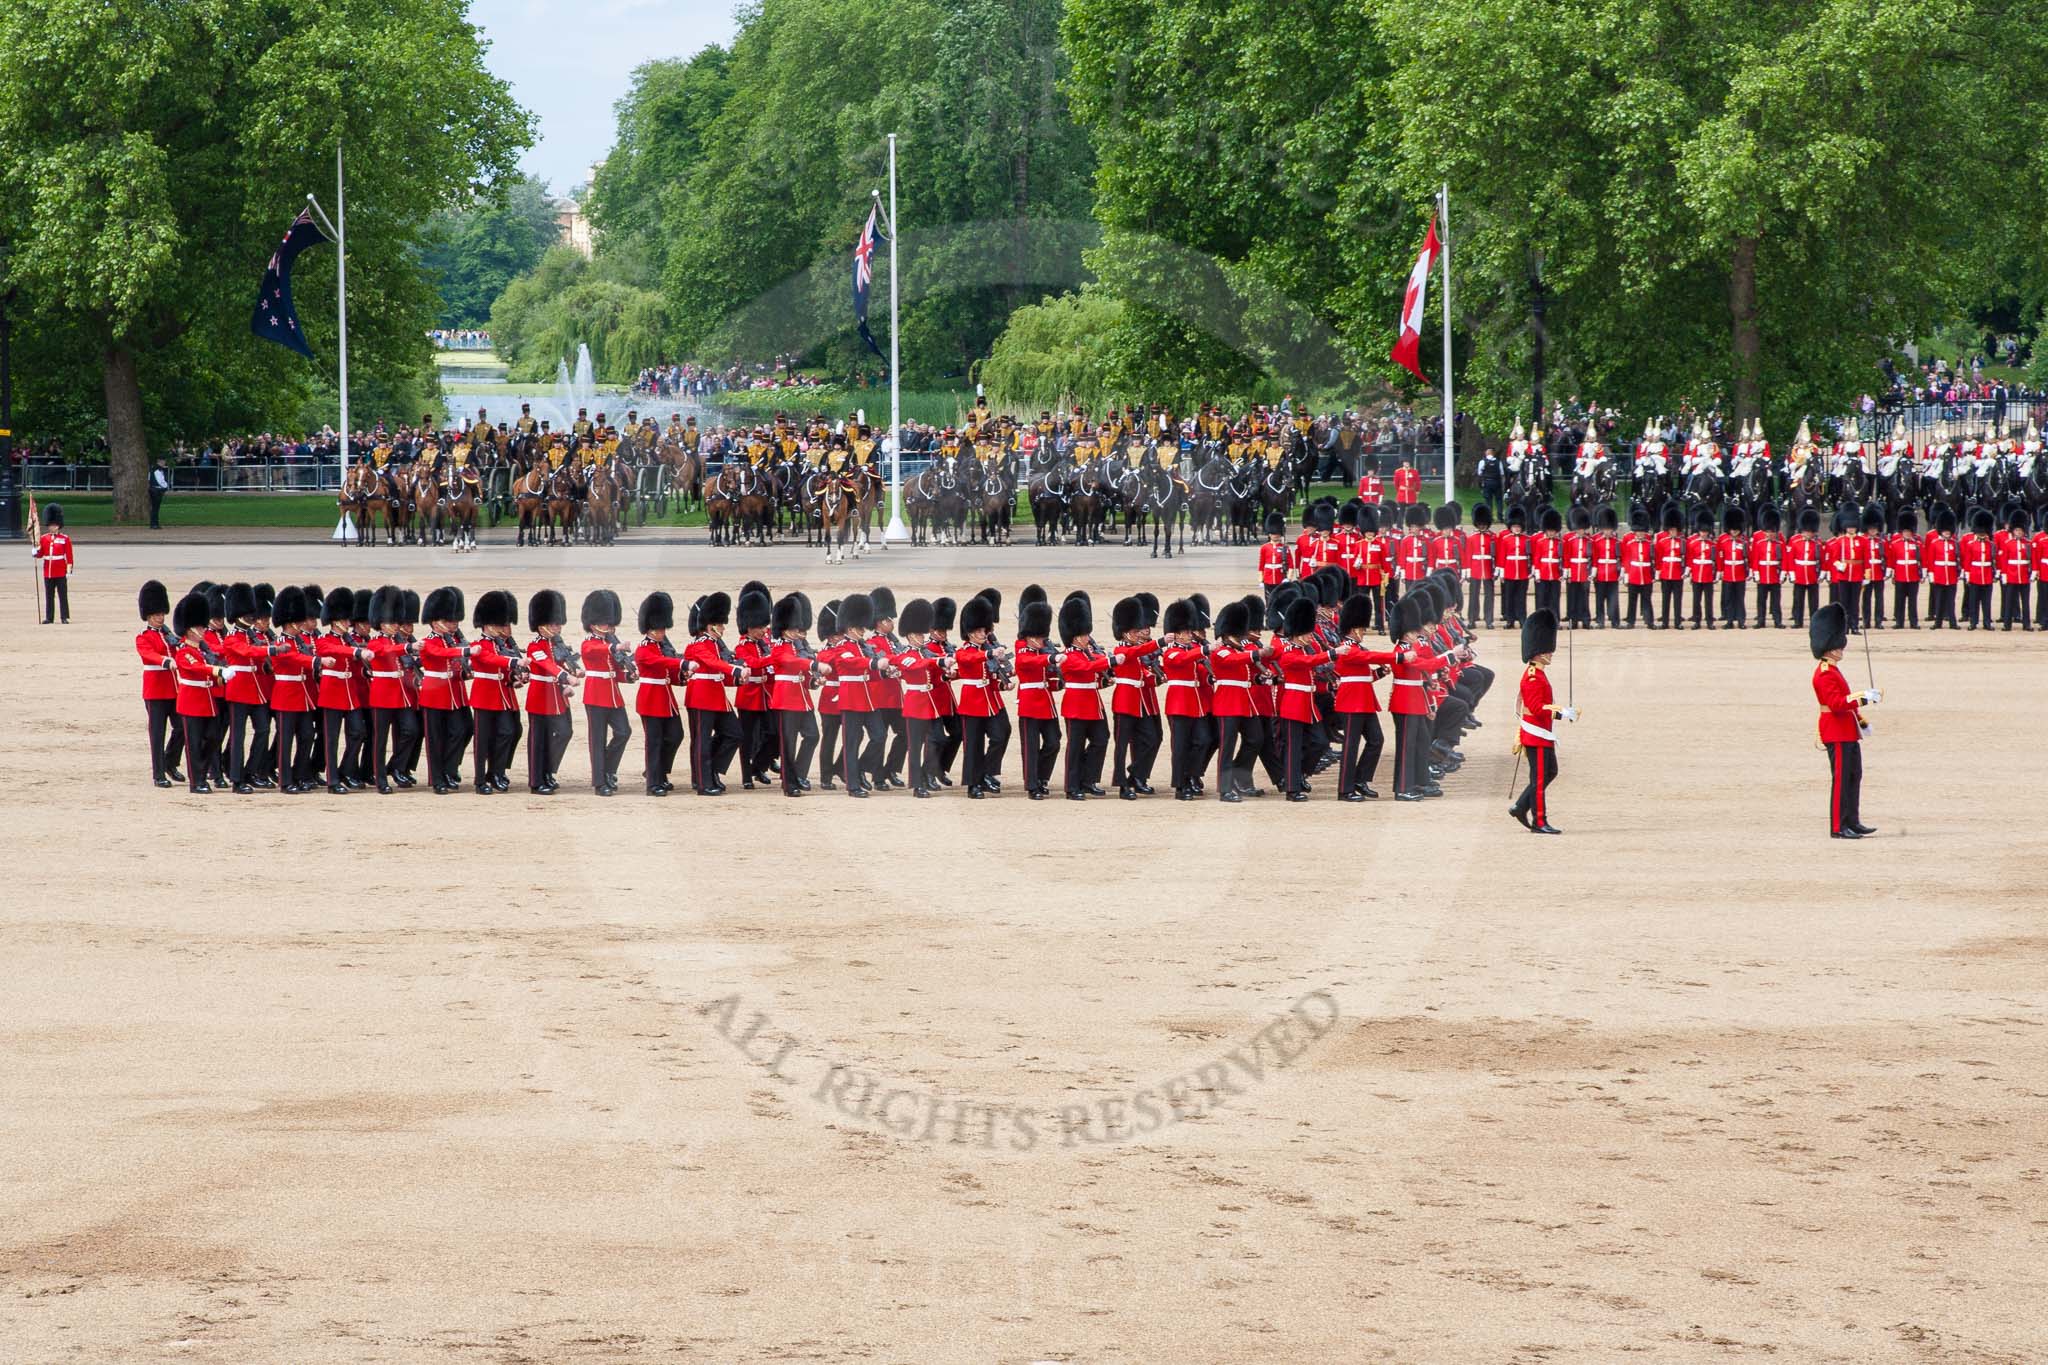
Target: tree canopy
point(156, 153)
point(474, 252)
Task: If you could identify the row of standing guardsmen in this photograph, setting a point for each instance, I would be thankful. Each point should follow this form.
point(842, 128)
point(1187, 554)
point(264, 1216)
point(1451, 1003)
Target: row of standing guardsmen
point(1582, 567)
point(256, 689)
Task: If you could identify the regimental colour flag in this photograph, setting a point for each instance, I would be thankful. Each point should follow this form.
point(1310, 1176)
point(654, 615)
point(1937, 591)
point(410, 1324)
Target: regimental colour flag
point(275, 319)
point(1407, 351)
point(864, 275)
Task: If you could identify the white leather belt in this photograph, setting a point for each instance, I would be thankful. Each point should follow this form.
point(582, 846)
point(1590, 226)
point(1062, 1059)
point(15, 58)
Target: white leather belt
point(1031, 687)
point(1172, 683)
point(1407, 682)
point(1539, 732)
point(232, 669)
point(490, 677)
point(593, 673)
point(1127, 682)
point(973, 682)
point(195, 682)
point(1233, 682)
point(444, 677)
point(917, 687)
point(387, 677)
point(291, 678)
point(1297, 687)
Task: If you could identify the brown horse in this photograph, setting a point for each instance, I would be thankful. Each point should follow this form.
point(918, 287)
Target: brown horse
point(838, 510)
point(426, 498)
point(601, 505)
point(529, 496)
point(464, 495)
point(561, 506)
point(362, 483)
point(721, 497)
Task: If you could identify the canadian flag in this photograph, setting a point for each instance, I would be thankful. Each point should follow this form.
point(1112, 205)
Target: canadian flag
point(1407, 352)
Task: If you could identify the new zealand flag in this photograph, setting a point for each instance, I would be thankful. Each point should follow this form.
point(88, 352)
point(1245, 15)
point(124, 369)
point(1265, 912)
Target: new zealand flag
point(275, 319)
point(863, 276)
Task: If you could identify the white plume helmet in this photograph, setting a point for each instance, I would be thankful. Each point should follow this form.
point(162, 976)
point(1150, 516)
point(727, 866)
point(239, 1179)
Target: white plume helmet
point(1805, 436)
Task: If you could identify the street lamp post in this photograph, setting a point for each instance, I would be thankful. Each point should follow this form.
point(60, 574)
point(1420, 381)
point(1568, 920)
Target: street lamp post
point(1536, 306)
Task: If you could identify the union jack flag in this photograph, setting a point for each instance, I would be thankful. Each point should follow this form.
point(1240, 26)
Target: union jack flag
point(864, 275)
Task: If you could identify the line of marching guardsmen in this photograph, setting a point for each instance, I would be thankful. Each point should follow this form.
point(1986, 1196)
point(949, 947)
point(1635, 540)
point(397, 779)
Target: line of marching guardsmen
point(1584, 565)
point(251, 688)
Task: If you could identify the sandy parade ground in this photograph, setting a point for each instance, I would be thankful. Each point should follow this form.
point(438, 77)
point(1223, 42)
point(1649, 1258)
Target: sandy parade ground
point(414, 1079)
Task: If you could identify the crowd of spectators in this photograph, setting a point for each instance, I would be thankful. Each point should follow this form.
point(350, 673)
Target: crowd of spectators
point(460, 339)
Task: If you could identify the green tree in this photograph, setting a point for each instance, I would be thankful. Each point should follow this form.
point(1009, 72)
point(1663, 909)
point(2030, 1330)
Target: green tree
point(156, 152)
point(662, 123)
point(475, 252)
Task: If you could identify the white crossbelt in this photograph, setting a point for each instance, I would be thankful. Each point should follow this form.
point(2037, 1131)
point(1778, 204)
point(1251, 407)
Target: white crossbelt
point(1539, 732)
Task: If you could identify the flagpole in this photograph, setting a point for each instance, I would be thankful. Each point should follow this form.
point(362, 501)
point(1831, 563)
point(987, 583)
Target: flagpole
point(897, 531)
point(1450, 412)
point(343, 529)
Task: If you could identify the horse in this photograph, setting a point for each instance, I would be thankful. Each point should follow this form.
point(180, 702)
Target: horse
point(1275, 490)
point(1243, 502)
point(754, 505)
point(1086, 504)
point(721, 500)
point(1207, 498)
point(1129, 482)
point(426, 497)
point(529, 497)
point(1703, 491)
point(603, 506)
point(1166, 499)
point(1595, 489)
point(994, 504)
point(362, 483)
point(561, 505)
point(838, 511)
point(1046, 491)
point(464, 494)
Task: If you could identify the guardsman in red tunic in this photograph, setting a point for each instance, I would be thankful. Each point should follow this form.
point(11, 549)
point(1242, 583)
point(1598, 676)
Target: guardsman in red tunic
point(444, 689)
point(1577, 551)
point(1767, 566)
point(1411, 548)
point(919, 670)
point(830, 637)
point(494, 664)
point(1302, 655)
point(1273, 555)
point(55, 559)
point(1233, 660)
point(1944, 567)
point(709, 669)
point(1902, 558)
point(1447, 546)
point(1373, 561)
point(852, 671)
point(607, 668)
point(1537, 732)
point(1607, 570)
point(660, 667)
point(1035, 678)
point(1309, 546)
point(1841, 723)
point(386, 695)
point(2015, 568)
point(1670, 557)
point(1371, 491)
point(1639, 565)
point(1546, 556)
point(1516, 565)
point(294, 707)
point(885, 758)
point(1702, 568)
point(946, 734)
point(1356, 704)
point(1803, 555)
point(2039, 550)
point(339, 694)
point(1480, 561)
point(1844, 571)
point(154, 645)
point(552, 668)
point(1347, 546)
point(1410, 703)
point(245, 652)
point(195, 675)
point(750, 697)
point(1134, 703)
point(1980, 570)
point(984, 723)
point(1407, 485)
point(1731, 560)
point(214, 641)
point(1870, 610)
point(1186, 661)
point(791, 666)
point(1082, 668)
point(411, 730)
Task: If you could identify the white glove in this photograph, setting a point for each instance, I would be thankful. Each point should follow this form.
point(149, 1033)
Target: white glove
point(1569, 712)
point(1872, 697)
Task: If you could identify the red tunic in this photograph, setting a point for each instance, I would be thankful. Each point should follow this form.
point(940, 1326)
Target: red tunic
point(1411, 554)
point(1731, 555)
point(2040, 546)
point(1538, 730)
point(1480, 554)
point(291, 675)
point(1357, 666)
point(155, 645)
point(337, 673)
point(1412, 664)
point(1081, 672)
point(1639, 559)
point(851, 670)
point(1135, 694)
point(919, 669)
point(1183, 665)
point(1446, 550)
point(977, 695)
point(1370, 489)
point(545, 678)
point(387, 671)
point(490, 675)
point(1944, 562)
point(1407, 485)
point(1578, 557)
point(1766, 557)
point(1979, 564)
point(441, 684)
point(1374, 554)
point(602, 685)
point(708, 672)
point(1297, 682)
point(2015, 564)
point(1699, 557)
point(1309, 552)
point(752, 694)
point(1841, 715)
point(1606, 557)
point(1034, 693)
point(1902, 554)
point(1272, 563)
point(1515, 559)
point(1547, 551)
point(1670, 549)
point(55, 555)
point(658, 669)
point(790, 670)
point(195, 682)
point(1802, 560)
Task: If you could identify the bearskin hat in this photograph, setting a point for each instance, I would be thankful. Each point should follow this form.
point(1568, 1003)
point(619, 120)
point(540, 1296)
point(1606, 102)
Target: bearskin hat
point(1482, 517)
point(1874, 518)
point(1368, 520)
point(1034, 620)
point(190, 614)
point(1638, 517)
point(408, 607)
point(916, 618)
point(754, 610)
point(1844, 520)
point(53, 515)
point(1276, 605)
point(1299, 618)
point(1417, 515)
point(1275, 524)
point(1324, 516)
point(828, 620)
point(1401, 618)
point(657, 612)
point(1356, 613)
point(712, 609)
point(1149, 602)
point(153, 600)
point(1200, 602)
point(1448, 516)
point(336, 608)
point(205, 586)
point(384, 605)
point(1945, 521)
point(217, 601)
point(1180, 616)
point(1254, 605)
point(1671, 519)
point(547, 608)
point(1552, 522)
point(1609, 520)
point(994, 598)
point(365, 598)
point(266, 598)
point(803, 602)
point(1032, 593)
point(1828, 630)
point(1347, 515)
point(2015, 516)
point(1076, 619)
point(2041, 520)
point(856, 612)
point(1906, 521)
point(442, 604)
point(977, 613)
point(1126, 616)
point(601, 607)
point(1733, 520)
point(788, 614)
point(291, 606)
point(1809, 520)
point(755, 585)
point(945, 611)
point(1539, 634)
point(1982, 522)
point(1233, 621)
point(1581, 519)
point(883, 602)
point(494, 608)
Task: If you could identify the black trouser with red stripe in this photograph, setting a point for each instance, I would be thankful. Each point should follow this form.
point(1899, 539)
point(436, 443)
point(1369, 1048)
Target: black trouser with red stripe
point(1534, 800)
point(1087, 743)
point(660, 737)
point(166, 736)
point(887, 753)
point(996, 745)
point(1671, 602)
point(714, 739)
point(1411, 753)
point(1845, 785)
point(448, 732)
point(757, 744)
point(796, 739)
point(1189, 753)
point(1514, 601)
point(406, 741)
point(1606, 603)
point(1041, 750)
point(1639, 599)
point(298, 755)
point(948, 733)
point(1358, 767)
point(861, 736)
point(609, 734)
point(828, 745)
point(1905, 605)
point(343, 747)
point(1137, 744)
point(1239, 742)
point(384, 723)
point(497, 735)
point(1805, 599)
point(917, 733)
point(198, 731)
point(546, 741)
point(1770, 601)
point(248, 741)
point(1294, 754)
point(1871, 612)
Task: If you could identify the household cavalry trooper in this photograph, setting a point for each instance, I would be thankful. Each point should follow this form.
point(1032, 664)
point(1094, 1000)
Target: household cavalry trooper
point(1841, 726)
point(154, 645)
point(607, 668)
point(552, 668)
point(1537, 734)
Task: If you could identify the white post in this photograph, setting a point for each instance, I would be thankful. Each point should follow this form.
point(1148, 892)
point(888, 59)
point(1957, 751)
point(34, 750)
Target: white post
point(1450, 412)
point(343, 529)
point(896, 531)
